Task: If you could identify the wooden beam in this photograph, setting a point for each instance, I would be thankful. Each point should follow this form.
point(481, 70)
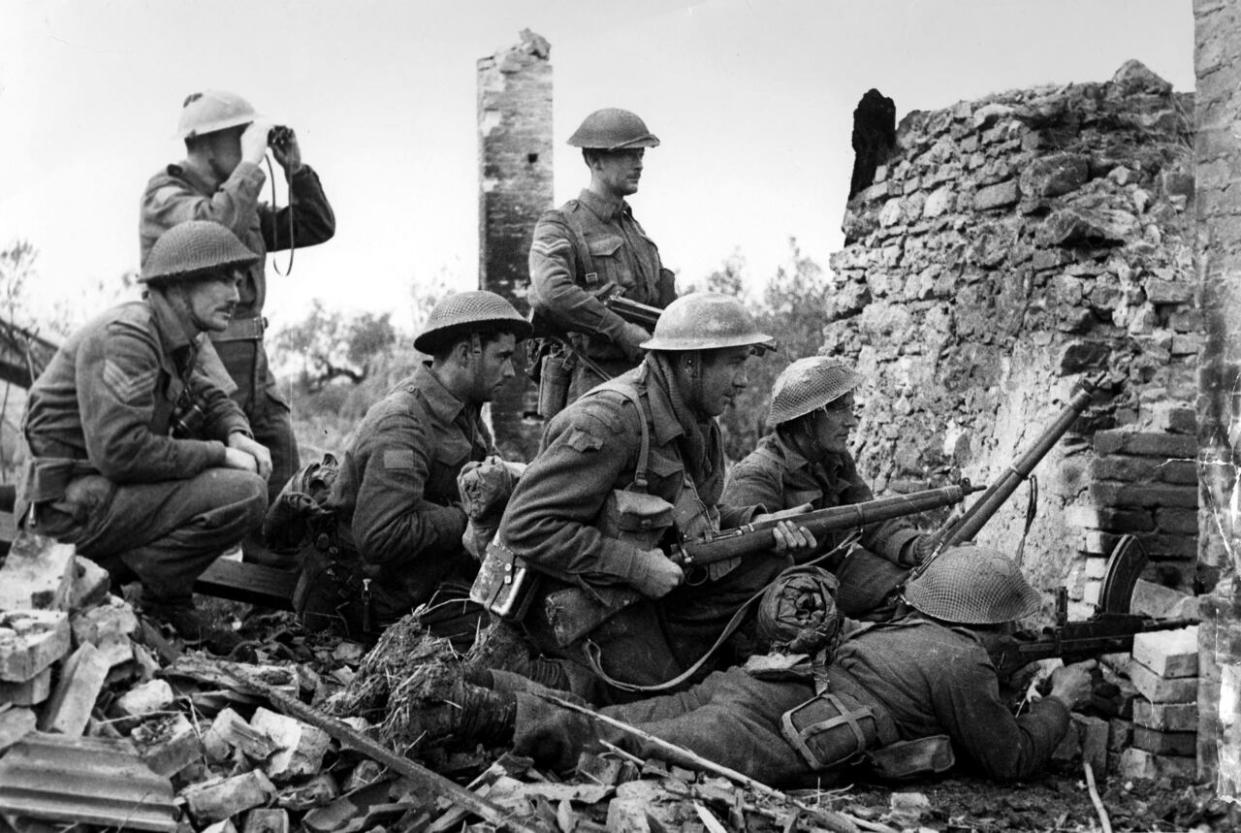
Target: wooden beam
point(253, 583)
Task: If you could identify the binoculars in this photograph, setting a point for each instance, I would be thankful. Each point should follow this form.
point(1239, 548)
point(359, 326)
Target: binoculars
point(279, 137)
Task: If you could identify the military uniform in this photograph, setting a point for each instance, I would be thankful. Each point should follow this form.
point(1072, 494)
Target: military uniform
point(177, 194)
point(918, 677)
point(577, 249)
point(107, 476)
point(557, 521)
point(779, 476)
point(396, 501)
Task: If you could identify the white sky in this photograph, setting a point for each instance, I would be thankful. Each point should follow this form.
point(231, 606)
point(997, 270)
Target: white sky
point(753, 101)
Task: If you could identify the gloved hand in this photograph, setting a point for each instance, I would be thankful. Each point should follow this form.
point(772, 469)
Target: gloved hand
point(485, 487)
point(631, 336)
point(653, 574)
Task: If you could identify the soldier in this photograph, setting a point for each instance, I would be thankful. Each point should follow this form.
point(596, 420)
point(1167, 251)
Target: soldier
point(589, 243)
point(398, 520)
point(138, 458)
point(903, 698)
point(637, 462)
point(221, 180)
point(806, 459)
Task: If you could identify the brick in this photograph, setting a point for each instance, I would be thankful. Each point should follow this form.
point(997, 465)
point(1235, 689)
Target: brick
point(15, 724)
point(1119, 734)
point(1165, 743)
point(229, 731)
point(1183, 472)
point(218, 800)
point(1145, 494)
point(1168, 653)
point(115, 620)
point(30, 693)
point(1099, 543)
point(1166, 717)
point(1179, 547)
point(168, 743)
point(81, 680)
point(1174, 417)
point(37, 574)
point(1160, 690)
point(1156, 600)
point(1168, 446)
point(1140, 764)
point(1095, 567)
point(30, 641)
point(300, 746)
point(1123, 467)
point(1179, 521)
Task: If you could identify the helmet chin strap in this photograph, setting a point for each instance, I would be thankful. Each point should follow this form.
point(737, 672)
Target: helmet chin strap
point(693, 364)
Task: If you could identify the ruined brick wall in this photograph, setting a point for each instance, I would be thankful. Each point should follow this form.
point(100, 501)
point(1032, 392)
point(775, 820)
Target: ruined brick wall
point(1007, 248)
point(515, 187)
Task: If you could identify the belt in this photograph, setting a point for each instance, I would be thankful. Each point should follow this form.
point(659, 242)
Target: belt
point(243, 329)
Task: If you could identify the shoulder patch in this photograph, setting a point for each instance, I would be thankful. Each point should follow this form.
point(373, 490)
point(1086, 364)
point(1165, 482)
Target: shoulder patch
point(583, 440)
point(398, 458)
point(128, 387)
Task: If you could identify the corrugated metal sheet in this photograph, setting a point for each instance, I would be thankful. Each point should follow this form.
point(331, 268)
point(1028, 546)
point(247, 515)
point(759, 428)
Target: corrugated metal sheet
point(90, 780)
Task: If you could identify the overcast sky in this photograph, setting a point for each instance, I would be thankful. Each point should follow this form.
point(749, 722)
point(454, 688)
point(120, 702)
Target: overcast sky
point(753, 102)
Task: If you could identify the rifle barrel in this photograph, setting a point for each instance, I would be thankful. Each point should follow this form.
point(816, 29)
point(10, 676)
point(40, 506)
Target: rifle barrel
point(757, 537)
point(633, 311)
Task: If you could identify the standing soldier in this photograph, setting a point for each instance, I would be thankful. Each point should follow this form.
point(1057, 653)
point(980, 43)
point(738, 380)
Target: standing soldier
point(806, 459)
point(220, 180)
point(137, 457)
point(588, 244)
point(398, 519)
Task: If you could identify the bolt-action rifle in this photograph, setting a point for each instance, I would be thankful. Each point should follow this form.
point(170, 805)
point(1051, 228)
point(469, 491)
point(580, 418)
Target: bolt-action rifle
point(644, 315)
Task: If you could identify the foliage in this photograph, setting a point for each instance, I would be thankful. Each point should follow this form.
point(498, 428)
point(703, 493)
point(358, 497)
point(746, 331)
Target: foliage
point(333, 345)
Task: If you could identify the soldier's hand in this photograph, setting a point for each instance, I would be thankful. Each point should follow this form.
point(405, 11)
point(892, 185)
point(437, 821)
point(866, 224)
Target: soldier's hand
point(654, 574)
point(631, 336)
point(254, 141)
point(257, 452)
point(792, 538)
point(288, 152)
point(1073, 684)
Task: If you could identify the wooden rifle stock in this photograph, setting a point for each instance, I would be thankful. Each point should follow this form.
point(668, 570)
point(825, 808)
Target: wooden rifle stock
point(644, 315)
point(759, 537)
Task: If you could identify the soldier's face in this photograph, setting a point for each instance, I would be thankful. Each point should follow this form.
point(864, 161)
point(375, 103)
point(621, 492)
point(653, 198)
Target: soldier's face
point(226, 151)
point(724, 375)
point(211, 300)
point(494, 367)
point(834, 422)
point(619, 171)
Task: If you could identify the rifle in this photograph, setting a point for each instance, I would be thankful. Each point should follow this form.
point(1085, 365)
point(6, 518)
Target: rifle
point(757, 537)
point(644, 315)
point(965, 527)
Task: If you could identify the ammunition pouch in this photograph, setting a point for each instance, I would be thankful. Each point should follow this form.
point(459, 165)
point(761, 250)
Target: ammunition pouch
point(504, 584)
point(832, 730)
point(46, 479)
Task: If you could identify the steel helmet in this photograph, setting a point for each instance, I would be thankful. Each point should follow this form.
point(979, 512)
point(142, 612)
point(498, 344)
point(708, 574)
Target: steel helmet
point(613, 129)
point(193, 249)
point(706, 321)
point(807, 384)
point(212, 110)
point(464, 312)
point(797, 613)
point(973, 586)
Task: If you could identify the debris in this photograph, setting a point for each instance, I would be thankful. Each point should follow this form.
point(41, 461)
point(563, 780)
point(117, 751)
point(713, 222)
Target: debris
point(114, 620)
point(1095, 799)
point(144, 698)
point(15, 724)
point(229, 731)
point(267, 820)
point(30, 641)
point(30, 693)
point(80, 683)
point(222, 798)
point(299, 747)
point(168, 743)
point(94, 781)
point(90, 584)
point(37, 574)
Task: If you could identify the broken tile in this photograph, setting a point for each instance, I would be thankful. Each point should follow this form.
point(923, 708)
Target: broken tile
point(30, 641)
point(37, 574)
point(80, 682)
point(300, 746)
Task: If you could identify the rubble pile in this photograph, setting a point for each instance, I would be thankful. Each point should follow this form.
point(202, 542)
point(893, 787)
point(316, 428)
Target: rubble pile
point(1008, 248)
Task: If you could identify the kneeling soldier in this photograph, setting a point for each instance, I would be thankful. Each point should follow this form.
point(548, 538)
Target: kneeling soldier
point(138, 457)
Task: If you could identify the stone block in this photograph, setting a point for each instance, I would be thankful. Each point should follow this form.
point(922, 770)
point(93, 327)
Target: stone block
point(1165, 743)
point(1119, 734)
point(15, 724)
point(37, 574)
point(1160, 291)
point(90, 584)
point(1149, 444)
point(168, 743)
point(1000, 195)
point(1141, 764)
point(30, 641)
point(1123, 467)
point(30, 693)
point(1168, 653)
point(218, 800)
point(144, 698)
point(81, 680)
point(1166, 717)
point(1159, 689)
point(300, 746)
point(114, 620)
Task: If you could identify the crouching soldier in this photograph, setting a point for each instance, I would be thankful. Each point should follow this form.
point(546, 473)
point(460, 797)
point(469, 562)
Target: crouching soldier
point(806, 459)
point(902, 698)
point(394, 539)
point(634, 465)
point(138, 457)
